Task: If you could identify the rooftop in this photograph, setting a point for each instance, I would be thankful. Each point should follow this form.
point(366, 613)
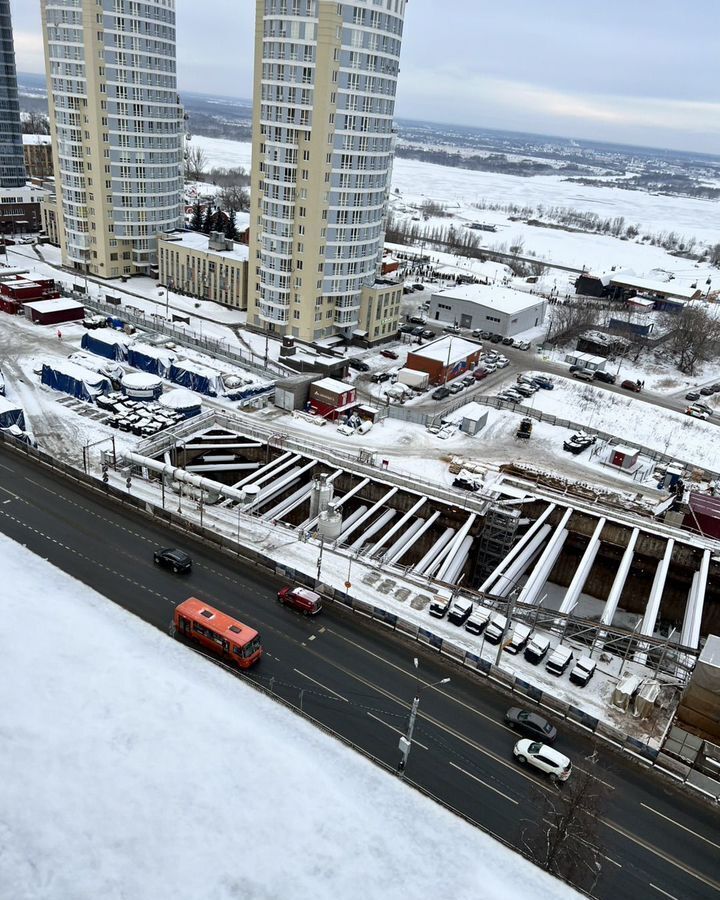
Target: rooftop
point(195, 240)
point(59, 303)
point(670, 288)
point(333, 385)
point(448, 350)
point(503, 299)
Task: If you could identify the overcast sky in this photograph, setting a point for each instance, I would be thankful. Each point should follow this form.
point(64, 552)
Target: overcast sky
point(630, 71)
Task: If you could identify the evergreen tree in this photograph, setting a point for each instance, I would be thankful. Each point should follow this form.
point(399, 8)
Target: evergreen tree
point(196, 222)
point(231, 227)
point(209, 220)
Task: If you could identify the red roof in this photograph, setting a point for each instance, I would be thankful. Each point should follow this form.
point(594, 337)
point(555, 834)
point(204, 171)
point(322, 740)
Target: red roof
point(220, 623)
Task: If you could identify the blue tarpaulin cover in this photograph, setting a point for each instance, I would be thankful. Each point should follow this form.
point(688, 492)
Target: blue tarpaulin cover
point(11, 414)
point(74, 380)
point(155, 360)
point(105, 342)
point(195, 377)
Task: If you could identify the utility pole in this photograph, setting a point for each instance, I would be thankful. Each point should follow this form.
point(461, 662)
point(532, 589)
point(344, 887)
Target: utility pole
point(508, 625)
point(319, 559)
point(405, 742)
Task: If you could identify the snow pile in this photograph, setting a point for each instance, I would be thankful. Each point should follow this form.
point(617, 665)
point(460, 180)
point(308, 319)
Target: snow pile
point(144, 771)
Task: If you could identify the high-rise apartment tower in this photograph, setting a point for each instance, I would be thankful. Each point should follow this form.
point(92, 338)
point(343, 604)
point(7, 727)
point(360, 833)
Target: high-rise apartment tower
point(12, 165)
point(117, 129)
point(324, 98)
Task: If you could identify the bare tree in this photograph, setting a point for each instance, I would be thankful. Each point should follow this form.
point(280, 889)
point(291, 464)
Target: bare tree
point(564, 839)
point(195, 163)
point(693, 335)
point(35, 122)
point(234, 198)
point(571, 318)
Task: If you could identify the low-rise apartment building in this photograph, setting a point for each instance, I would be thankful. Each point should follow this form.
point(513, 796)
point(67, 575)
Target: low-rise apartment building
point(210, 267)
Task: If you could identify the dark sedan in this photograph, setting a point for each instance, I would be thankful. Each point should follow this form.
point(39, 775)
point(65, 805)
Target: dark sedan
point(172, 558)
point(531, 724)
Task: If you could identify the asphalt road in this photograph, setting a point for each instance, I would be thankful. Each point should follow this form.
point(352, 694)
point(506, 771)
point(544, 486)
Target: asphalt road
point(359, 680)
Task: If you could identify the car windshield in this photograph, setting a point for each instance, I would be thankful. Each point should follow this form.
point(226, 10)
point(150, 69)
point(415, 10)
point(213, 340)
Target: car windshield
point(547, 728)
point(522, 716)
point(535, 747)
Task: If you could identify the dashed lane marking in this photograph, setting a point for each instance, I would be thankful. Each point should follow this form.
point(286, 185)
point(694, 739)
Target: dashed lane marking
point(689, 830)
point(661, 891)
point(414, 741)
point(484, 783)
point(320, 684)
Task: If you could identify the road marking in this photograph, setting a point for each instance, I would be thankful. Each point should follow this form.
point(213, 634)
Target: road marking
point(475, 778)
point(689, 830)
point(412, 675)
point(585, 771)
point(670, 859)
point(664, 893)
point(9, 492)
point(7, 469)
point(396, 730)
point(320, 684)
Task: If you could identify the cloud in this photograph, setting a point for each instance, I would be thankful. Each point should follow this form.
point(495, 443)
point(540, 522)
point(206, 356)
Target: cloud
point(29, 53)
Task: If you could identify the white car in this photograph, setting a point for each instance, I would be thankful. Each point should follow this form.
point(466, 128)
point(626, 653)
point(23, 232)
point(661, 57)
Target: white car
point(556, 765)
point(502, 361)
point(345, 429)
point(489, 366)
point(697, 412)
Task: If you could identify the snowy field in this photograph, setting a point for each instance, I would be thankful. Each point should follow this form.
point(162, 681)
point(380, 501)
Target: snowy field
point(144, 772)
point(459, 190)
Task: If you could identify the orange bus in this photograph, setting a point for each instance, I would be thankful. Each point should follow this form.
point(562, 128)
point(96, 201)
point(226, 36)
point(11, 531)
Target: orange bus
point(226, 637)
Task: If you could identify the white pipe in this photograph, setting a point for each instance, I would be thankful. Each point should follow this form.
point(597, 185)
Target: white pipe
point(433, 552)
point(277, 512)
point(347, 531)
point(418, 534)
point(455, 545)
point(386, 517)
point(397, 526)
point(400, 543)
point(540, 573)
point(524, 540)
point(177, 474)
point(459, 560)
point(583, 570)
point(337, 502)
point(506, 582)
point(352, 519)
point(653, 607)
point(611, 604)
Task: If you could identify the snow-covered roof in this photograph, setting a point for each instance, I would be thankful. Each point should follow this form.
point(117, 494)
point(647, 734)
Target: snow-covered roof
point(161, 353)
point(448, 350)
point(57, 305)
point(77, 372)
point(333, 385)
point(139, 380)
point(180, 399)
point(654, 286)
point(108, 335)
point(502, 299)
point(7, 405)
point(195, 240)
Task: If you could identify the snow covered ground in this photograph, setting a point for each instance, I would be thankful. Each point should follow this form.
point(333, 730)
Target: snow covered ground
point(459, 190)
point(143, 771)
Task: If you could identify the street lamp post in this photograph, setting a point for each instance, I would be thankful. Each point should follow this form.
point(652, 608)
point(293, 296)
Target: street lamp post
point(406, 740)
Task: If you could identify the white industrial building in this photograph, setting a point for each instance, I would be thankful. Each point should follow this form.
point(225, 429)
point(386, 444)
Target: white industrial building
point(491, 307)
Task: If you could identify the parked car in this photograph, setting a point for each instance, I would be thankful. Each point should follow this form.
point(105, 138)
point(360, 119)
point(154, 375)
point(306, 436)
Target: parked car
point(530, 724)
point(511, 396)
point(579, 442)
point(704, 406)
point(476, 333)
point(358, 365)
point(417, 320)
point(583, 670)
point(697, 413)
point(692, 395)
point(495, 628)
point(466, 484)
point(715, 388)
point(480, 373)
point(555, 765)
point(439, 607)
point(172, 558)
point(485, 335)
point(417, 331)
point(451, 329)
point(347, 430)
point(389, 354)
point(584, 375)
point(477, 621)
point(490, 366)
point(502, 361)
point(456, 387)
point(300, 598)
point(605, 377)
point(379, 377)
point(559, 660)
point(544, 382)
point(508, 341)
point(630, 385)
point(419, 287)
point(427, 334)
point(406, 329)
point(707, 391)
point(496, 338)
point(459, 611)
point(468, 379)
point(525, 389)
point(536, 648)
point(441, 393)
point(522, 345)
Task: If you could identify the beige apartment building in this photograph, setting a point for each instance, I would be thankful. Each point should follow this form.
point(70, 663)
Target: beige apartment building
point(210, 267)
point(324, 99)
point(117, 130)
